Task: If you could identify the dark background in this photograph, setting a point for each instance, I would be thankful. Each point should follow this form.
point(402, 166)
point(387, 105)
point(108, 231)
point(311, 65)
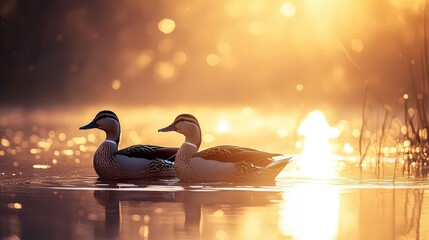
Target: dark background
point(60, 53)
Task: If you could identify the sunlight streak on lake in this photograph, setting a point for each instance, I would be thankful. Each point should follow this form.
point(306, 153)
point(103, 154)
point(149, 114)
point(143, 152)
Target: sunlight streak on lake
point(310, 212)
point(316, 158)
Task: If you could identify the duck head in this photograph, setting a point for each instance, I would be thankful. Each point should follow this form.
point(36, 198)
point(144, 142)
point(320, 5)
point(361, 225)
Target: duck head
point(108, 122)
point(187, 125)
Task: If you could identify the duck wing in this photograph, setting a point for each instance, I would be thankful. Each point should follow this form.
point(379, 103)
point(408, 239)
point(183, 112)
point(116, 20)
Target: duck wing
point(228, 153)
point(148, 152)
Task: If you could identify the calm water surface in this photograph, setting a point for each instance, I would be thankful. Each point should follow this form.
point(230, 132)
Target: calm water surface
point(50, 191)
point(75, 205)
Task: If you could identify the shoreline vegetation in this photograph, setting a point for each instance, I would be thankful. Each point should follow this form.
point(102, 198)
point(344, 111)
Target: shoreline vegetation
point(404, 138)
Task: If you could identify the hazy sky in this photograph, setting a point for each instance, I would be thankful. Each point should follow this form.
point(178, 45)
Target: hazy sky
point(229, 53)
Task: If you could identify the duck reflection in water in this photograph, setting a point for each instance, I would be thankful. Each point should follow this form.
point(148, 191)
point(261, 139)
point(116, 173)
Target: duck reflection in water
point(184, 211)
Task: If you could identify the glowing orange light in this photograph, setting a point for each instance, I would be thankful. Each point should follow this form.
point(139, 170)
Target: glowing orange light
point(91, 137)
point(405, 96)
point(165, 70)
point(135, 217)
point(166, 26)
point(5, 142)
point(287, 9)
point(222, 126)
point(180, 58)
point(355, 132)
point(79, 140)
point(51, 134)
point(299, 87)
point(297, 212)
point(213, 59)
point(67, 152)
point(316, 154)
point(256, 28)
point(221, 235)
point(144, 231)
point(41, 166)
point(282, 132)
point(224, 47)
point(144, 60)
point(116, 84)
point(82, 148)
point(347, 148)
point(44, 144)
point(14, 205)
point(62, 136)
point(35, 151)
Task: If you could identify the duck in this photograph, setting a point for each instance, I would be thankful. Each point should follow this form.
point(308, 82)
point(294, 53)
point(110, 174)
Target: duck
point(134, 162)
point(225, 163)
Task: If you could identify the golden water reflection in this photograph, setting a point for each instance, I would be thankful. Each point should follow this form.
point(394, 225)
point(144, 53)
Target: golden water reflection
point(310, 212)
point(291, 208)
point(305, 211)
point(33, 138)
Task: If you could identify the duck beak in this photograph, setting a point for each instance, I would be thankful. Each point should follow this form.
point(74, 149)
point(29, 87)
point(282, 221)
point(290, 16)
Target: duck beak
point(169, 128)
point(90, 125)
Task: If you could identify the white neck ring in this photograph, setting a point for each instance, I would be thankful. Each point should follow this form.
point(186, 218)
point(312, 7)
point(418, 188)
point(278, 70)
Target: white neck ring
point(190, 144)
point(110, 141)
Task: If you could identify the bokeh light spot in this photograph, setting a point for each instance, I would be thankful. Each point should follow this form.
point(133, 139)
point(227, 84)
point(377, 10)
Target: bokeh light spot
point(5, 142)
point(166, 26)
point(256, 28)
point(347, 148)
point(224, 47)
point(116, 84)
point(62, 136)
point(299, 87)
point(223, 126)
point(356, 133)
point(288, 9)
point(165, 70)
point(14, 205)
point(282, 132)
point(91, 137)
point(144, 60)
point(213, 59)
point(180, 58)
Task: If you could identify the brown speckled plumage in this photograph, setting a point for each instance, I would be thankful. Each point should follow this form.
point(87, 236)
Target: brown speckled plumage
point(248, 164)
point(183, 168)
point(106, 163)
point(106, 166)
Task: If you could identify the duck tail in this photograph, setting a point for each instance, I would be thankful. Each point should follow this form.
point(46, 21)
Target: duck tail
point(277, 166)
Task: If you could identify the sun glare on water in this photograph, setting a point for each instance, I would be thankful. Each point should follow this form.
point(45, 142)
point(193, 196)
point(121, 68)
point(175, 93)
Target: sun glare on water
point(316, 159)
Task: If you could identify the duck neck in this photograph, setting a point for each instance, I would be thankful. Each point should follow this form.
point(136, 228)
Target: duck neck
point(186, 152)
point(195, 140)
point(114, 134)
